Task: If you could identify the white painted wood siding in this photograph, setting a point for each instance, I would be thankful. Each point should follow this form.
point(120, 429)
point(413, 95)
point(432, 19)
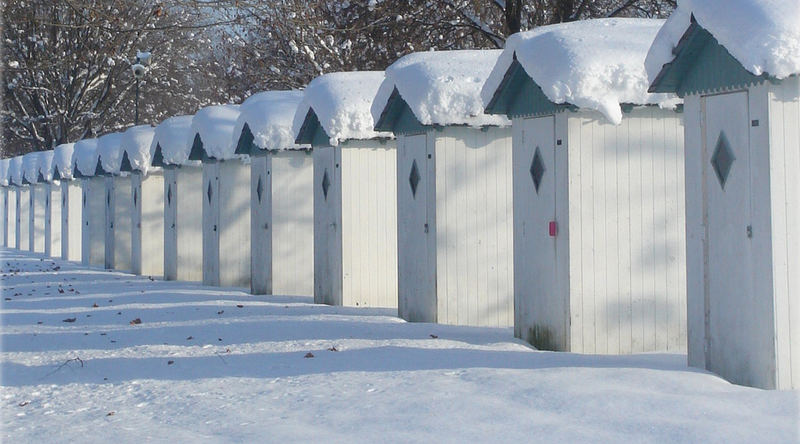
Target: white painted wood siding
point(626, 226)
point(93, 215)
point(40, 196)
point(71, 220)
point(474, 226)
point(53, 221)
point(369, 223)
point(13, 209)
point(183, 246)
point(122, 207)
point(293, 223)
point(784, 158)
point(261, 226)
point(234, 219)
point(24, 218)
point(4, 218)
point(147, 239)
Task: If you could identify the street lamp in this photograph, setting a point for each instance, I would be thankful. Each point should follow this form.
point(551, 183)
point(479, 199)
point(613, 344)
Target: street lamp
point(139, 69)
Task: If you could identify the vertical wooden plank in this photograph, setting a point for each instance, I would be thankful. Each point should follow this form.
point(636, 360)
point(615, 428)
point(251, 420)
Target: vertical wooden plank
point(624, 232)
point(54, 191)
point(570, 169)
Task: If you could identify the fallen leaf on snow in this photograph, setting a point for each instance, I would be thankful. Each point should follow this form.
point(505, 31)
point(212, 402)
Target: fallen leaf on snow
point(309, 355)
point(136, 321)
point(69, 320)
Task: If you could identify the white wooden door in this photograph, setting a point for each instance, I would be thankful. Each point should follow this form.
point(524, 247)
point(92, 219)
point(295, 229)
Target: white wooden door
point(415, 231)
point(109, 219)
point(537, 311)
point(170, 224)
point(327, 227)
point(136, 223)
point(261, 224)
point(729, 300)
point(211, 223)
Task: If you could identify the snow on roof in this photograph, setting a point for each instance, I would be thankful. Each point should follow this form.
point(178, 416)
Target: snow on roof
point(342, 102)
point(30, 166)
point(762, 35)
point(137, 141)
point(109, 147)
point(215, 126)
point(15, 170)
point(62, 159)
point(171, 135)
point(441, 87)
point(595, 64)
point(4, 164)
point(269, 116)
point(46, 165)
point(84, 156)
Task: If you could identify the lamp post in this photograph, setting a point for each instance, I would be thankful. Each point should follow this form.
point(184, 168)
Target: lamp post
point(139, 69)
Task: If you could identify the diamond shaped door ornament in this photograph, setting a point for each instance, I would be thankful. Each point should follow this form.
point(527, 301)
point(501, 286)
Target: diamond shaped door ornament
point(413, 178)
point(722, 159)
point(259, 189)
point(537, 169)
point(169, 194)
point(108, 199)
point(209, 193)
point(135, 197)
point(326, 183)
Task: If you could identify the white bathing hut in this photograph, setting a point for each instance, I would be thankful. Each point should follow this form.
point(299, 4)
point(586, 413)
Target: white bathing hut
point(737, 66)
point(183, 194)
point(147, 200)
point(87, 168)
point(14, 183)
point(69, 195)
point(117, 203)
point(281, 195)
point(226, 197)
point(599, 257)
point(51, 190)
point(355, 192)
point(34, 202)
point(455, 242)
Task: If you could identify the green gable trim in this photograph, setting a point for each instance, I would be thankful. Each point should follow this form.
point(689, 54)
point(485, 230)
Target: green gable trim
point(702, 65)
point(398, 118)
point(158, 157)
point(98, 169)
point(126, 163)
point(197, 152)
point(519, 96)
point(41, 178)
point(311, 132)
point(245, 144)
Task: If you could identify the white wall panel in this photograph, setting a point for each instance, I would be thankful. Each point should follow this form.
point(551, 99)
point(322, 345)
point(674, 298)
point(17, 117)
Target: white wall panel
point(122, 210)
point(12, 206)
point(52, 227)
point(24, 217)
point(93, 214)
point(293, 223)
point(40, 195)
point(369, 224)
point(71, 220)
point(147, 239)
point(234, 223)
point(4, 216)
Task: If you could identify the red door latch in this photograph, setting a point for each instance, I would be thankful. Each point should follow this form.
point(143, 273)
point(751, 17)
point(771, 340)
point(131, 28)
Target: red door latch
point(553, 228)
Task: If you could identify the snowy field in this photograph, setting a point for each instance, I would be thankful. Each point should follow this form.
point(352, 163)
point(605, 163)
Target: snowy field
point(221, 365)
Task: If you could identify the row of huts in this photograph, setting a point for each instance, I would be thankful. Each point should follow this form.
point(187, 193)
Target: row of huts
point(605, 186)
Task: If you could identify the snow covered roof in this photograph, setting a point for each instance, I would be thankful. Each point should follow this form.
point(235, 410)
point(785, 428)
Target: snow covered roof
point(30, 167)
point(171, 135)
point(341, 102)
point(214, 125)
point(4, 164)
point(137, 143)
point(46, 165)
point(109, 147)
point(269, 116)
point(440, 87)
point(85, 157)
point(762, 35)
point(62, 159)
point(594, 64)
point(15, 170)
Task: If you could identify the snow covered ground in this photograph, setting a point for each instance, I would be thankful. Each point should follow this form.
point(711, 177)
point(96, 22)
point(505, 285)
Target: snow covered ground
point(223, 365)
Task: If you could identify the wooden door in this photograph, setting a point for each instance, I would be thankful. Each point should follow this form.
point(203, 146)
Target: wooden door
point(415, 231)
point(261, 224)
point(170, 224)
point(109, 225)
point(327, 227)
point(211, 223)
point(729, 300)
point(537, 311)
point(136, 223)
